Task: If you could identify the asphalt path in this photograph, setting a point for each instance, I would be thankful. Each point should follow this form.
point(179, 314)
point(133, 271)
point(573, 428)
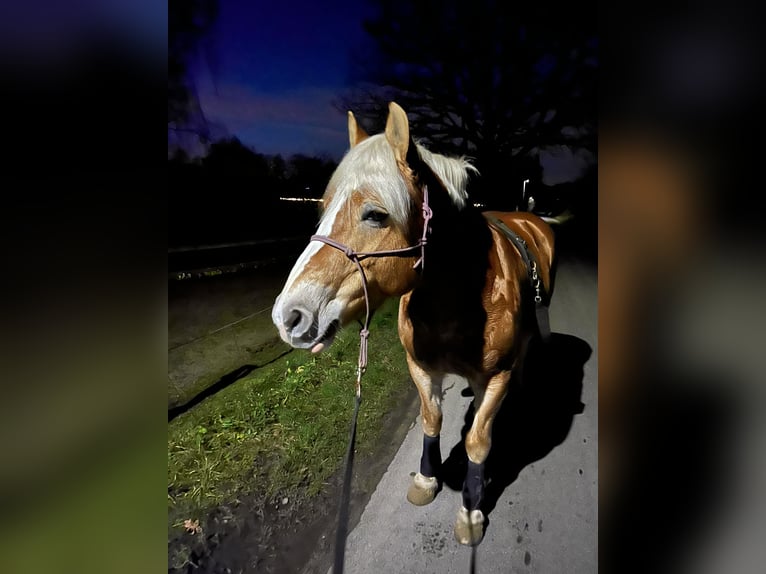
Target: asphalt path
point(542, 501)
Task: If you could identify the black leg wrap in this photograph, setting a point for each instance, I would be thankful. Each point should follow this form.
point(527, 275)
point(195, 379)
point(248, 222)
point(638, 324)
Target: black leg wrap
point(431, 459)
point(473, 487)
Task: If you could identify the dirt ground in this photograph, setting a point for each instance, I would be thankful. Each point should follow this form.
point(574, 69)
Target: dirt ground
point(254, 534)
point(296, 536)
point(219, 324)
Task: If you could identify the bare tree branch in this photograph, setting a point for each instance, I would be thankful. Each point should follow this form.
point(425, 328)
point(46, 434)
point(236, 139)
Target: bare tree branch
point(481, 77)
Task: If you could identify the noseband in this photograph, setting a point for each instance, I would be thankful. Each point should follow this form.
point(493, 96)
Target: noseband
point(357, 257)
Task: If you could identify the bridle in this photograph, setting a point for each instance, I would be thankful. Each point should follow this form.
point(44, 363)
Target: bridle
point(357, 257)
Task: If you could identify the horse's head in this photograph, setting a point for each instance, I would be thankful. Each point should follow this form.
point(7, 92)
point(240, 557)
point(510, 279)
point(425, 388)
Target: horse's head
point(372, 203)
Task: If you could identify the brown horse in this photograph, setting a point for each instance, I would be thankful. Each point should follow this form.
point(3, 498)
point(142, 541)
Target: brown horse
point(466, 308)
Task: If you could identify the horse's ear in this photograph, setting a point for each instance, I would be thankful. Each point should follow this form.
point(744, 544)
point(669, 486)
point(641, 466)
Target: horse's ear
point(355, 133)
point(398, 131)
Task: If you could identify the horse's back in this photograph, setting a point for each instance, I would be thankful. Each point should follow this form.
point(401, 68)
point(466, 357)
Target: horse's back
point(538, 235)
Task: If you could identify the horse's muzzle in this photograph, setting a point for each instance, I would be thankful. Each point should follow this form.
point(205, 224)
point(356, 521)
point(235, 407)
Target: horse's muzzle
point(302, 328)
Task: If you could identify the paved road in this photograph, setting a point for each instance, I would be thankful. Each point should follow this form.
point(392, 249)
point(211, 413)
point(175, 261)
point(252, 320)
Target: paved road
point(543, 499)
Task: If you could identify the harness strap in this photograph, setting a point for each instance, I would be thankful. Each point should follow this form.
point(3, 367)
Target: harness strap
point(541, 297)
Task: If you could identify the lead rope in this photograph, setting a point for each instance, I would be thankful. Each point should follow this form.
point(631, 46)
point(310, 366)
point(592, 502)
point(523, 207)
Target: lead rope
point(364, 335)
point(345, 496)
point(340, 540)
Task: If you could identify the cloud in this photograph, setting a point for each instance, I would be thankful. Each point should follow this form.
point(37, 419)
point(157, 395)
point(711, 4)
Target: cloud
point(301, 120)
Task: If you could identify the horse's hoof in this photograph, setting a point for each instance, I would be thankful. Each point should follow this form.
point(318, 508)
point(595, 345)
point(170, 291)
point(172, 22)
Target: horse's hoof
point(423, 489)
point(469, 527)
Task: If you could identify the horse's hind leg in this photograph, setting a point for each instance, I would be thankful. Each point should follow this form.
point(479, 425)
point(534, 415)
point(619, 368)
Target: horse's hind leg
point(469, 527)
point(425, 484)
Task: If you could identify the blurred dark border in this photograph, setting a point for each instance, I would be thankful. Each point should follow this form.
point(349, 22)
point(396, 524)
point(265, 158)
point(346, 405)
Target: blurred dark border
point(683, 86)
point(83, 244)
point(693, 76)
point(85, 151)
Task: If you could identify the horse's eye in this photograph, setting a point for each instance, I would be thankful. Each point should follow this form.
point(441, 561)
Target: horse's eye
point(374, 216)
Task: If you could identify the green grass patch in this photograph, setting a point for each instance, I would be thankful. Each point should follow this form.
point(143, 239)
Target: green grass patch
point(283, 430)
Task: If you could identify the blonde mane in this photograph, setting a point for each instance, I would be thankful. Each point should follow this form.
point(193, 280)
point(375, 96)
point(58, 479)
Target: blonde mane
point(452, 171)
point(371, 166)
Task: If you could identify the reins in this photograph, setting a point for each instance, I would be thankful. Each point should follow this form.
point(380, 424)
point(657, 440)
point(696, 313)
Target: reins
point(357, 257)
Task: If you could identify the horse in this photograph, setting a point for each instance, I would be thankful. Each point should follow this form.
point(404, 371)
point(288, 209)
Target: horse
point(466, 305)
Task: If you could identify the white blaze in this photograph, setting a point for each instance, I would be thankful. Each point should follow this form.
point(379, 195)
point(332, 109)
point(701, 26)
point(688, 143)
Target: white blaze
point(325, 227)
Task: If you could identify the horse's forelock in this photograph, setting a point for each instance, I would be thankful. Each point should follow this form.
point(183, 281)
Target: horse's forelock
point(370, 167)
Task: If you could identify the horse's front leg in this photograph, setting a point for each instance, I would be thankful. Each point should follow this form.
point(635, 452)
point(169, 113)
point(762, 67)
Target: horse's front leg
point(425, 484)
point(469, 527)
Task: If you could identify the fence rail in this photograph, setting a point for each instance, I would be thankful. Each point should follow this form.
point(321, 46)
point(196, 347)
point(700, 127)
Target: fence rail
point(219, 329)
point(194, 248)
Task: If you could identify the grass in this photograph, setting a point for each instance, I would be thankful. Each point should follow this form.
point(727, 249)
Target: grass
point(283, 430)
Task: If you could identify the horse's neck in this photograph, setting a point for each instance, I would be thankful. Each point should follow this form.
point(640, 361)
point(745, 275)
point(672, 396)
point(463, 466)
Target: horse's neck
point(446, 308)
point(456, 255)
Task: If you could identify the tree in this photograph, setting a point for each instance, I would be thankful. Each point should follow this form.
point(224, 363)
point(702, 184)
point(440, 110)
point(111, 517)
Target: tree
point(189, 24)
point(489, 79)
point(308, 176)
point(230, 158)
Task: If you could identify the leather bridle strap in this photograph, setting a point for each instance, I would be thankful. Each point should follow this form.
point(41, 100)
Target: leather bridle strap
point(357, 257)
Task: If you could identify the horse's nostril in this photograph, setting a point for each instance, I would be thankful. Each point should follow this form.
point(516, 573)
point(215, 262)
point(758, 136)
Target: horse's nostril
point(299, 323)
point(294, 319)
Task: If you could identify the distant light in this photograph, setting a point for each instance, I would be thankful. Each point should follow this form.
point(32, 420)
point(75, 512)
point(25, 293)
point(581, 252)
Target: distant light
point(478, 205)
point(300, 199)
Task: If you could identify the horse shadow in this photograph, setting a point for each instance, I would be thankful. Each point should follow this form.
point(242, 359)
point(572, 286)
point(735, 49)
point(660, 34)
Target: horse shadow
point(534, 418)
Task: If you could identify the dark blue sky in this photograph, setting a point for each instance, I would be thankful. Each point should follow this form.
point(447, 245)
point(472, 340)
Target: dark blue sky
point(275, 69)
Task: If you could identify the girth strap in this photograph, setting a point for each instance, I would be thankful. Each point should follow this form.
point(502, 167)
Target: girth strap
point(540, 295)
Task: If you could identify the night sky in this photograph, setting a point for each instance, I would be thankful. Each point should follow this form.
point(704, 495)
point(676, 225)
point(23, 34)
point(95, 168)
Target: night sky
point(268, 77)
point(273, 70)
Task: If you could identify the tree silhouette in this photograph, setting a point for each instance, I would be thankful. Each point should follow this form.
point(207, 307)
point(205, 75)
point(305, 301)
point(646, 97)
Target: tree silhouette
point(230, 158)
point(494, 80)
point(189, 23)
point(308, 176)
point(233, 194)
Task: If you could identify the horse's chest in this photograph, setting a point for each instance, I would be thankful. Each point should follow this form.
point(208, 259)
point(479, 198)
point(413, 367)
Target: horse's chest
point(448, 340)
